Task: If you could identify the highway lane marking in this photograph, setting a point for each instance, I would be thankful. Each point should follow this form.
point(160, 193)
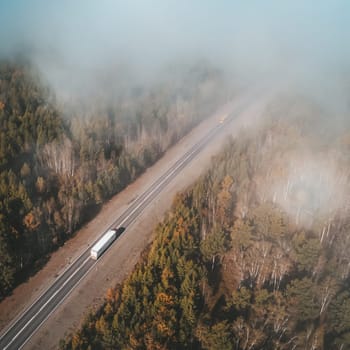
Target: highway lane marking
point(175, 167)
point(166, 177)
point(160, 181)
point(157, 185)
point(43, 306)
point(22, 314)
point(58, 304)
point(148, 195)
point(179, 163)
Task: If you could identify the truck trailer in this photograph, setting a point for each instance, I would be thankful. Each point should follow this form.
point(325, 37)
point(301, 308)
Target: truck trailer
point(103, 243)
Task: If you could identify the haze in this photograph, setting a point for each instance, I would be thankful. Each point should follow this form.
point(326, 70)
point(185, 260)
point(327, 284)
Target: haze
point(84, 47)
point(73, 41)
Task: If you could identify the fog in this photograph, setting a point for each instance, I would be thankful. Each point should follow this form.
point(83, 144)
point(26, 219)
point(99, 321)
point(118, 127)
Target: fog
point(313, 188)
point(81, 47)
point(74, 43)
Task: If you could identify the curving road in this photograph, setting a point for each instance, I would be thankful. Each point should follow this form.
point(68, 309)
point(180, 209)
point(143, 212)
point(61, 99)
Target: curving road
point(25, 325)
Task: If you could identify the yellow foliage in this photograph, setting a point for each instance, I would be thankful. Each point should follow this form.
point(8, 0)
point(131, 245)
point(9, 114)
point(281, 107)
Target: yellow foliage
point(166, 274)
point(165, 299)
point(101, 325)
point(163, 328)
point(108, 309)
point(76, 341)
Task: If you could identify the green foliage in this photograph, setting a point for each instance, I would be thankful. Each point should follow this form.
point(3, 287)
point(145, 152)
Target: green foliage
point(7, 266)
point(158, 304)
point(307, 252)
point(217, 337)
point(241, 234)
point(302, 299)
point(213, 245)
point(240, 299)
point(57, 168)
point(273, 284)
point(339, 312)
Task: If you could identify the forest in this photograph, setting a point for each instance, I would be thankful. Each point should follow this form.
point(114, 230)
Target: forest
point(60, 161)
point(254, 255)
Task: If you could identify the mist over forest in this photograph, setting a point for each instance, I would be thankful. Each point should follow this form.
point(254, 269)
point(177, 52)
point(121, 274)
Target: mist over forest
point(93, 93)
point(86, 46)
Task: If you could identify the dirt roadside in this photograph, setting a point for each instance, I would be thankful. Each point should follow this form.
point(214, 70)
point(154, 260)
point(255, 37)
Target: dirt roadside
point(120, 259)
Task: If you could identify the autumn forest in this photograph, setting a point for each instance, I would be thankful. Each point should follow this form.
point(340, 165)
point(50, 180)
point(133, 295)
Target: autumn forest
point(59, 162)
point(175, 175)
point(254, 255)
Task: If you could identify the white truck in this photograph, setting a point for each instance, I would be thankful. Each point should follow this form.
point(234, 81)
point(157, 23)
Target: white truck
point(103, 243)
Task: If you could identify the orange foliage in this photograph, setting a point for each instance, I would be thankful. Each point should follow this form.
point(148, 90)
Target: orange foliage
point(134, 342)
point(165, 299)
point(163, 328)
point(110, 294)
point(31, 220)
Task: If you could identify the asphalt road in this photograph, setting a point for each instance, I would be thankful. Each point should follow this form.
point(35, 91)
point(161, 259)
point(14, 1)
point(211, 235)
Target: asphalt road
point(25, 325)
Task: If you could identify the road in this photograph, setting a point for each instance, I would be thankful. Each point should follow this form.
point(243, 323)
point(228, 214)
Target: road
point(24, 326)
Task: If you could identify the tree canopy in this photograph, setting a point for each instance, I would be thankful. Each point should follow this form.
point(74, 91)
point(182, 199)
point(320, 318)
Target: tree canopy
point(230, 268)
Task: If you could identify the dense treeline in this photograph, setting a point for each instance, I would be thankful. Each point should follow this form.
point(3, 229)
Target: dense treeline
point(232, 267)
point(60, 162)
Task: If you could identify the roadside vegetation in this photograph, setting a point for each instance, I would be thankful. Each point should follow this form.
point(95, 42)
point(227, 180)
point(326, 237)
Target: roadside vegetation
point(59, 163)
point(249, 257)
